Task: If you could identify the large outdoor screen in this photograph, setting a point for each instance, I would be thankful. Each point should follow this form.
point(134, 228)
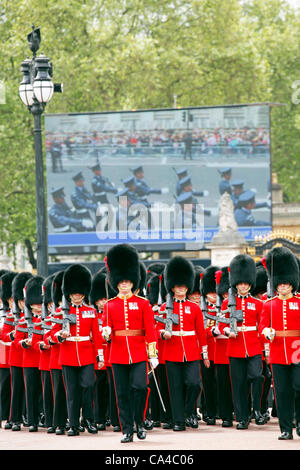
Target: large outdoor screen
point(154, 178)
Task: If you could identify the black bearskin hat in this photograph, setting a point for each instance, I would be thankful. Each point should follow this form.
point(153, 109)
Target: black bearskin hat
point(223, 286)
point(261, 280)
point(56, 289)
point(209, 280)
point(77, 279)
point(98, 290)
point(33, 291)
point(156, 268)
point(155, 287)
point(282, 267)
point(198, 270)
point(47, 289)
point(242, 269)
point(143, 279)
point(6, 287)
point(179, 271)
point(3, 271)
point(298, 262)
point(17, 288)
point(123, 265)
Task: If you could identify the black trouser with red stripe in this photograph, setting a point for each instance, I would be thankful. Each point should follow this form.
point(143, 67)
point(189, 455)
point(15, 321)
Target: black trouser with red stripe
point(157, 412)
point(209, 388)
point(5, 393)
point(101, 396)
point(184, 387)
point(113, 409)
point(244, 370)
point(47, 397)
point(224, 392)
point(286, 382)
point(80, 385)
point(60, 413)
point(131, 382)
point(17, 394)
point(33, 393)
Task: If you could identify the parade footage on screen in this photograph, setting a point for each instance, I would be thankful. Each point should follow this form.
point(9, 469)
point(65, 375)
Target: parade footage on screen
point(137, 176)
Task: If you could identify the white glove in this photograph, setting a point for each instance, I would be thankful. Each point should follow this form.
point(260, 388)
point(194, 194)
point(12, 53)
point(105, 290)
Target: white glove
point(164, 190)
point(87, 223)
point(205, 193)
point(269, 333)
point(215, 330)
point(154, 362)
point(106, 332)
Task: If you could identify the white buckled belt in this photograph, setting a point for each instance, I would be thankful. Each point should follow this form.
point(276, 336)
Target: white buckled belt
point(78, 338)
point(246, 328)
point(5, 344)
point(183, 333)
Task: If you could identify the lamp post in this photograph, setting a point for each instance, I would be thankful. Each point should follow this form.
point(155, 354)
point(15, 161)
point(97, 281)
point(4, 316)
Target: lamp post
point(36, 90)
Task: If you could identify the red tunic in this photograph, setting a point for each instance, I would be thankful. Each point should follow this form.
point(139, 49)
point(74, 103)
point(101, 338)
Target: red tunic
point(104, 348)
point(37, 339)
point(31, 357)
point(186, 347)
point(282, 315)
point(129, 313)
point(6, 341)
point(209, 324)
point(247, 343)
point(83, 352)
point(53, 341)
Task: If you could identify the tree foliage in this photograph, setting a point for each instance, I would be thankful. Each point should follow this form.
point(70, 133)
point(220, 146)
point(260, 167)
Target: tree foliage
point(136, 54)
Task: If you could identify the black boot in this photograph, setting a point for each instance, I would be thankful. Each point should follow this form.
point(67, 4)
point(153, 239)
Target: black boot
point(141, 432)
point(73, 431)
point(127, 438)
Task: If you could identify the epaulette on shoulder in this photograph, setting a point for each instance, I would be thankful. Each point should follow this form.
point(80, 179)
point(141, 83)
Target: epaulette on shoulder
point(140, 297)
point(271, 298)
point(113, 298)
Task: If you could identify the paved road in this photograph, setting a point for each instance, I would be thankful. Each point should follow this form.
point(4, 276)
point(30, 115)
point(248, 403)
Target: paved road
point(204, 438)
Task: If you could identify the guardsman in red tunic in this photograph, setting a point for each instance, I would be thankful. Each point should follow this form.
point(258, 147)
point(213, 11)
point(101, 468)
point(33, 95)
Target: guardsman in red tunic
point(80, 343)
point(195, 296)
point(221, 360)
point(260, 292)
point(16, 353)
point(60, 413)
point(98, 298)
point(113, 408)
point(129, 324)
point(280, 324)
point(7, 325)
point(156, 294)
point(185, 344)
point(244, 346)
point(40, 344)
point(31, 357)
point(208, 292)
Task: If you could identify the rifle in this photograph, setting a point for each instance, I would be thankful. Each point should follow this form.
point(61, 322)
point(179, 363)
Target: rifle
point(16, 312)
point(270, 289)
point(170, 316)
point(235, 315)
point(203, 304)
point(68, 318)
point(28, 318)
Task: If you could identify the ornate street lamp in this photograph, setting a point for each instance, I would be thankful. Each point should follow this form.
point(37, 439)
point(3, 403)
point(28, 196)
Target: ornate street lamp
point(36, 90)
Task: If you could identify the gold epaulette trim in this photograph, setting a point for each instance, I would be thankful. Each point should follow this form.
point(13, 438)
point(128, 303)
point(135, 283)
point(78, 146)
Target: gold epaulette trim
point(108, 300)
point(268, 300)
